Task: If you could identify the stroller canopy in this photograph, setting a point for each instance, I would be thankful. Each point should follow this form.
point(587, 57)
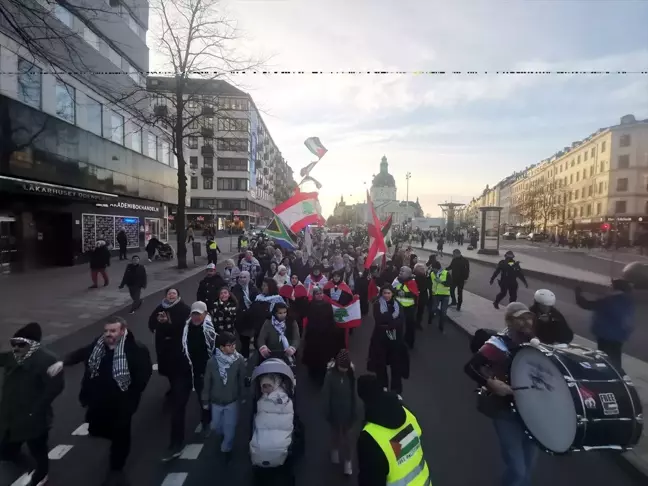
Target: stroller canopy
point(273, 365)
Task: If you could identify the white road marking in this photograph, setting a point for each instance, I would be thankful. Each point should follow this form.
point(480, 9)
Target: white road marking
point(81, 430)
point(155, 367)
point(175, 479)
point(191, 451)
point(24, 480)
point(59, 451)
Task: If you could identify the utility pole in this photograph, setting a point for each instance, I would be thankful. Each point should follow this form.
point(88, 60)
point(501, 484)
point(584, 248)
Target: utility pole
point(408, 176)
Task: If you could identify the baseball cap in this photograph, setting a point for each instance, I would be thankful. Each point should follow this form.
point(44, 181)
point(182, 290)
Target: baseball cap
point(199, 307)
point(516, 309)
point(211, 266)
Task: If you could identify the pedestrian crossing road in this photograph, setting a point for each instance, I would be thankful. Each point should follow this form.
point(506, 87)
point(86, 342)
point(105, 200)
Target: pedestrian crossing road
point(437, 392)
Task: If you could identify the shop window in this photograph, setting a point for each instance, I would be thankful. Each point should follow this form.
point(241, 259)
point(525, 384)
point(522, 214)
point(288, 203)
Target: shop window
point(94, 116)
point(30, 83)
point(117, 128)
point(208, 183)
point(620, 207)
point(65, 102)
point(194, 182)
point(623, 161)
point(598, 208)
point(624, 141)
point(622, 184)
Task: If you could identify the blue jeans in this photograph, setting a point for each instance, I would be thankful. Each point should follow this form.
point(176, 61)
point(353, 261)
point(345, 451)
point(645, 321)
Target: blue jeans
point(224, 420)
point(436, 302)
point(518, 451)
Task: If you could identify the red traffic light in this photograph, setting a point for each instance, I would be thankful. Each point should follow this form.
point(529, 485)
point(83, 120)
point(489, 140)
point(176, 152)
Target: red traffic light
point(605, 226)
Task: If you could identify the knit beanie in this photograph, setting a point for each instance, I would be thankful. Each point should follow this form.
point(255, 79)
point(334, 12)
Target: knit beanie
point(368, 388)
point(342, 359)
point(31, 331)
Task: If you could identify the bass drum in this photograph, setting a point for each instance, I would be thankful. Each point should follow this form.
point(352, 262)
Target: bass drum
point(571, 399)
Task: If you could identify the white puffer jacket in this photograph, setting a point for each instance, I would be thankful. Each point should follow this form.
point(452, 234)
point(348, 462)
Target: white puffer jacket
point(273, 428)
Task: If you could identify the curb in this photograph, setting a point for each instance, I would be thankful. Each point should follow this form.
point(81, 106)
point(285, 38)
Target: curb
point(548, 277)
point(630, 461)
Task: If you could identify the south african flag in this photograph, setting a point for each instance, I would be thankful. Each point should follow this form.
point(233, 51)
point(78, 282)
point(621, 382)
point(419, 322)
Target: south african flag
point(405, 444)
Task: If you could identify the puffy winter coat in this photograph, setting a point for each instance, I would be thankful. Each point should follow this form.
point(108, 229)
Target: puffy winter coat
point(273, 429)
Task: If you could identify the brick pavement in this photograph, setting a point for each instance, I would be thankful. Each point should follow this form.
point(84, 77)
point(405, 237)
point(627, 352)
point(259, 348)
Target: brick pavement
point(60, 301)
point(478, 312)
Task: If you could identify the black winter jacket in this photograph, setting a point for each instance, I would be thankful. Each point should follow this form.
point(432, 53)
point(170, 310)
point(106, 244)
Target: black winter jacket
point(134, 276)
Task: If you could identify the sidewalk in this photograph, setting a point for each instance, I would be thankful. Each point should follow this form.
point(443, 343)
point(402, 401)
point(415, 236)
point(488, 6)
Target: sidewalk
point(60, 301)
point(477, 312)
point(532, 266)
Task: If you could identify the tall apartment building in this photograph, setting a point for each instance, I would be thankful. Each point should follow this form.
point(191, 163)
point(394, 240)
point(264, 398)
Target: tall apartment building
point(78, 168)
point(234, 166)
point(601, 179)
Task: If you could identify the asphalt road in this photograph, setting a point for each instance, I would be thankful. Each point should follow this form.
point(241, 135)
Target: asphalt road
point(459, 443)
point(578, 319)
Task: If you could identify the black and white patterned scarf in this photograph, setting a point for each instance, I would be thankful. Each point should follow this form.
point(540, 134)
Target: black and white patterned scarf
point(210, 340)
point(120, 371)
point(33, 347)
point(384, 307)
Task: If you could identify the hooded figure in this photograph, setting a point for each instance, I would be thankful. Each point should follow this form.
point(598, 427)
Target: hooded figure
point(336, 289)
point(27, 396)
point(245, 293)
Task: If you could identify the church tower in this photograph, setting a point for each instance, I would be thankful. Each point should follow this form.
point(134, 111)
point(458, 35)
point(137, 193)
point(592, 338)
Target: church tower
point(383, 186)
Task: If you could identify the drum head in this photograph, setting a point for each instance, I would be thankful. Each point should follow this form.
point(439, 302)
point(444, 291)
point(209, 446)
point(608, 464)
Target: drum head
point(547, 409)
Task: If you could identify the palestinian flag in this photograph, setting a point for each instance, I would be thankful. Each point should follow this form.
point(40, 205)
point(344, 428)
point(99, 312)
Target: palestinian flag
point(405, 444)
point(385, 229)
point(315, 146)
point(282, 235)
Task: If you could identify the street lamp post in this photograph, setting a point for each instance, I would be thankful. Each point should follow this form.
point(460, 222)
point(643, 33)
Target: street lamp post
point(408, 176)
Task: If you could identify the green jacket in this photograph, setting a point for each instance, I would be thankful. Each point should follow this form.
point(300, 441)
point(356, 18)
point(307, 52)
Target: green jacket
point(217, 393)
point(268, 336)
point(27, 396)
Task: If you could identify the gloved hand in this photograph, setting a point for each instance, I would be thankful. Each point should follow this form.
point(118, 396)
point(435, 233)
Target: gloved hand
point(55, 369)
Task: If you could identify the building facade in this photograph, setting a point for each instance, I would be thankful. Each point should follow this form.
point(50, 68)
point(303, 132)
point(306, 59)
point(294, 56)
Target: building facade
point(601, 180)
point(383, 196)
point(235, 170)
point(74, 166)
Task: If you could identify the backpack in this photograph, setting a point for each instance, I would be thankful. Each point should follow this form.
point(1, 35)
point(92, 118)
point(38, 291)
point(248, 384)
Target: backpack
point(480, 338)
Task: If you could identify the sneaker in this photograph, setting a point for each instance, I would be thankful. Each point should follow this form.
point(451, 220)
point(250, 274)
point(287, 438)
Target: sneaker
point(93, 287)
point(496, 305)
point(335, 456)
point(348, 468)
point(173, 453)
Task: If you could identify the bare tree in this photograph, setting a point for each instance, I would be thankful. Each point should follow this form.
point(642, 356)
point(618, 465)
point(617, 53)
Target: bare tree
point(196, 40)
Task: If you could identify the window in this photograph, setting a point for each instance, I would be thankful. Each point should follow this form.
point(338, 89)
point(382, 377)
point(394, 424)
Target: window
point(94, 117)
point(152, 145)
point(117, 128)
point(603, 144)
point(193, 162)
point(194, 182)
point(579, 159)
point(233, 125)
point(619, 207)
point(588, 212)
point(585, 156)
point(132, 23)
point(30, 83)
point(65, 105)
point(114, 57)
point(91, 38)
point(136, 140)
point(166, 153)
point(193, 142)
point(624, 141)
point(577, 176)
point(208, 162)
point(624, 161)
point(571, 178)
point(63, 15)
point(231, 163)
point(576, 194)
point(600, 188)
point(589, 191)
point(208, 183)
point(580, 211)
point(622, 184)
point(133, 74)
point(232, 184)
point(592, 171)
point(598, 208)
point(572, 163)
point(232, 144)
point(602, 166)
point(593, 153)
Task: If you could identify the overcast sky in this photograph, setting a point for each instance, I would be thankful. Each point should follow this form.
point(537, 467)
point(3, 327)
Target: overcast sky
point(455, 133)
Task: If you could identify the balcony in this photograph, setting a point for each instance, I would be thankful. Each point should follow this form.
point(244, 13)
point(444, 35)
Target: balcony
point(207, 132)
point(207, 172)
point(207, 110)
point(161, 110)
point(207, 150)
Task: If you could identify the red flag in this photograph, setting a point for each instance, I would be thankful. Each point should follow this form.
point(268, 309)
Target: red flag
point(377, 245)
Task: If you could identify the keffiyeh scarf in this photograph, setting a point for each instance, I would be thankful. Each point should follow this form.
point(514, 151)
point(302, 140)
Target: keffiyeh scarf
point(246, 295)
point(210, 340)
point(280, 327)
point(33, 347)
point(384, 308)
point(272, 299)
point(120, 371)
point(224, 362)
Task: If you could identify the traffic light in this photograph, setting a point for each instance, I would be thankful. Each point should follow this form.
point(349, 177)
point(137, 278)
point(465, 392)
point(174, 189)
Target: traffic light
point(605, 226)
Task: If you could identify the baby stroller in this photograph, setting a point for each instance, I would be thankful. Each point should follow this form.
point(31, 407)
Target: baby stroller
point(164, 252)
point(277, 433)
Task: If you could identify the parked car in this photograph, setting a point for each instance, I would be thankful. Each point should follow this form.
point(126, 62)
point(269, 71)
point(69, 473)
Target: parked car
point(536, 237)
point(521, 236)
point(509, 235)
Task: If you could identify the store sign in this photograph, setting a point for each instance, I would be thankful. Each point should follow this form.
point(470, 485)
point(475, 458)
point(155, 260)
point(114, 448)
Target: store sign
point(62, 191)
point(625, 219)
point(131, 206)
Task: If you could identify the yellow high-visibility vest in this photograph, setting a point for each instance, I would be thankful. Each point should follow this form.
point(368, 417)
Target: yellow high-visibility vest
point(213, 245)
point(438, 288)
point(403, 451)
point(404, 301)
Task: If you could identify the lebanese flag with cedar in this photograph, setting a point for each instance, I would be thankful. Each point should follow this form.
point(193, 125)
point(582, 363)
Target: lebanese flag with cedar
point(300, 210)
point(377, 246)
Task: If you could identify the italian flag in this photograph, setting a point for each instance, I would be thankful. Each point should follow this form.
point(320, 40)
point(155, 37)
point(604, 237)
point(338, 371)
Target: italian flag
point(405, 444)
point(302, 209)
point(315, 146)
